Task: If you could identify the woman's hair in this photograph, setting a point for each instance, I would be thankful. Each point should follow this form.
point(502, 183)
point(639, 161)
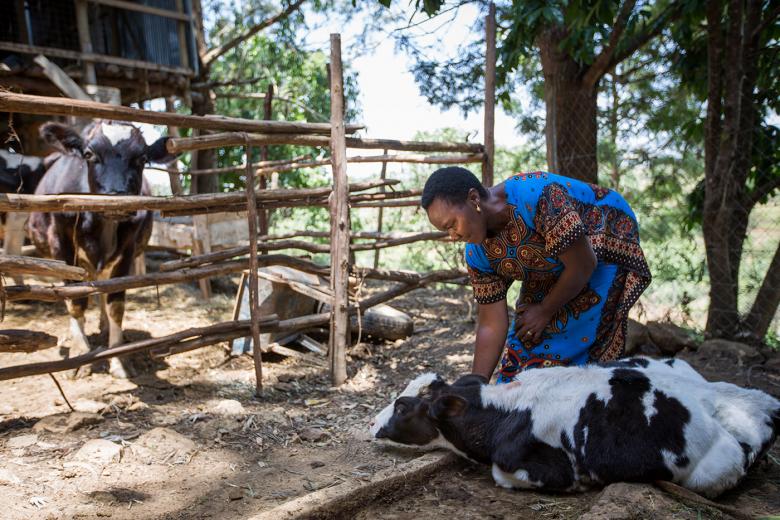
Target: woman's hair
point(451, 184)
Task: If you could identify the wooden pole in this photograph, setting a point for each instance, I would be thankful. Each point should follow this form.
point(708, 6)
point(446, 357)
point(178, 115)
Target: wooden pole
point(339, 221)
point(490, 96)
point(54, 106)
point(85, 40)
point(205, 142)
point(381, 215)
point(254, 310)
point(264, 215)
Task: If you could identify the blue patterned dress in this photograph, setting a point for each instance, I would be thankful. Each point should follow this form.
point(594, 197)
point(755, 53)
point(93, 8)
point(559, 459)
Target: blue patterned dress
point(550, 212)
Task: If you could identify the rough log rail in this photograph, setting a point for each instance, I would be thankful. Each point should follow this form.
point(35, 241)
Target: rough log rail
point(55, 106)
point(192, 203)
point(406, 158)
point(205, 142)
point(203, 336)
point(285, 243)
point(355, 201)
point(18, 265)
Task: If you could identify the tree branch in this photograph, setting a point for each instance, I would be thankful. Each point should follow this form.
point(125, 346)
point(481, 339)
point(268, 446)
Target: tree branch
point(652, 30)
point(763, 190)
point(602, 61)
point(215, 53)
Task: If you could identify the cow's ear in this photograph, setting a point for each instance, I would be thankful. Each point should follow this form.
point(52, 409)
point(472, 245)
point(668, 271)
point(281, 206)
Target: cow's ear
point(158, 153)
point(447, 406)
point(62, 137)
point(471, 379)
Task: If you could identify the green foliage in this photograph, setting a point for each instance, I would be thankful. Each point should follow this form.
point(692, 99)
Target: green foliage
point(272, 57)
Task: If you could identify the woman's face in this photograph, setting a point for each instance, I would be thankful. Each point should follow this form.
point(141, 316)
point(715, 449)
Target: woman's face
point(462, 221)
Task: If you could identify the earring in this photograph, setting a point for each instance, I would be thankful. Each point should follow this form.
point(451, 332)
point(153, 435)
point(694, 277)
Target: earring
point(479, 210)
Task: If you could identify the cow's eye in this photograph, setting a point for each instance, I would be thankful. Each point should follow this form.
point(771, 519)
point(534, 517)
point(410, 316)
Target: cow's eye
point(401, 407)
point(90, 156)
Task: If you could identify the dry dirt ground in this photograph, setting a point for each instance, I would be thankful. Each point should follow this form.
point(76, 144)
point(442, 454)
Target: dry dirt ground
point(187, 439)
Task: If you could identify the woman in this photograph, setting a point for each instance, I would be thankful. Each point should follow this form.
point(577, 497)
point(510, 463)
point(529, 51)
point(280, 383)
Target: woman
point(574, 245)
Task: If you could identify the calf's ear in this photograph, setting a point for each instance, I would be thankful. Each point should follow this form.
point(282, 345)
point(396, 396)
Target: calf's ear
point(62, 137)
point(447, 406)
point(158, 153)
point(470, 379)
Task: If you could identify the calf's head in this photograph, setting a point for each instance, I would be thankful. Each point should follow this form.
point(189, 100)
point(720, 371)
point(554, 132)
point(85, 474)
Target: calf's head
point(115, 153)
point(414, 418)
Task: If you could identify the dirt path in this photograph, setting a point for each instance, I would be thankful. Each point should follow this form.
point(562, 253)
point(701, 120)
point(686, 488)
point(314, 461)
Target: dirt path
point(187, 439)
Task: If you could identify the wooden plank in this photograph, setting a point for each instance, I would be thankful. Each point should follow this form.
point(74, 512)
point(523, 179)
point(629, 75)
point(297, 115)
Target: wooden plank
point(201, 245)
point(45, 105)
point(85, 41)
point(347, 498)
point(58, 76)
point(91, 57)
point(156, 11)
point(339, 222)
point(490, 96)
point(13, 238)
point(181, 30)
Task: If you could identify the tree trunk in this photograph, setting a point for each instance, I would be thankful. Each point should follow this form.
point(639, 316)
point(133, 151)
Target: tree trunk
point(767, 300)
point(729, 129)
point(202, 105)
point(571, 126)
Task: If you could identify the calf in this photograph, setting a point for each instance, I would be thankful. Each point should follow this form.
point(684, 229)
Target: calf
point(108, 158)
point(569, 428)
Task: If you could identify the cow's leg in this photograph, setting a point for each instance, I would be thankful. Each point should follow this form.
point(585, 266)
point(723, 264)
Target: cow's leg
point(721, 467)
point(115, 311)
point(517, 480)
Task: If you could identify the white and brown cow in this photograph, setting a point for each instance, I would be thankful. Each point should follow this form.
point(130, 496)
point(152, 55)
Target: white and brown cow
point(570, 428)
point(108, 158)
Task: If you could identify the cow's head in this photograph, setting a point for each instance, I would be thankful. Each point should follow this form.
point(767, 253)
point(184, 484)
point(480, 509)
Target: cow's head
point(115, 153)
point(413, 419)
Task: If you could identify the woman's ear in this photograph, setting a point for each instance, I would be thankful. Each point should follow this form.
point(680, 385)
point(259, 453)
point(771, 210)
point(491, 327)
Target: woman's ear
point(474, 198)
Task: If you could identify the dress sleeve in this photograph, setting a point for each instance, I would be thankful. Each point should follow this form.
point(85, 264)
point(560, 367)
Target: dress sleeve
point(489, 286)
point(557, 218)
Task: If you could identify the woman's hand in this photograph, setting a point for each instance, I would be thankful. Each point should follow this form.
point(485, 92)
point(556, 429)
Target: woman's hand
point(532, 318)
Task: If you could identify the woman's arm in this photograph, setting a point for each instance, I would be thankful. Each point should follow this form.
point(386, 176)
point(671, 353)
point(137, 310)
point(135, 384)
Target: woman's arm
point(492, 326)
point(579, 262)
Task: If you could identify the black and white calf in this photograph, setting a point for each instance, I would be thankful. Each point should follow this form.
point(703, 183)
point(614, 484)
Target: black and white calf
point(569, 428)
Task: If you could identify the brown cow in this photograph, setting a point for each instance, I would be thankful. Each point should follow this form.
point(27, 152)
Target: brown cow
point(108, 158)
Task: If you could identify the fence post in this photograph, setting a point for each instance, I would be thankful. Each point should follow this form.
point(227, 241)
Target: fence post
point(381, 215)
point(254, 313)
point(339, 220)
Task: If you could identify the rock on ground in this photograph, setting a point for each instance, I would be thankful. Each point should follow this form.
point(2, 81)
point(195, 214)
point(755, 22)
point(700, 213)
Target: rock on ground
point(636, 336)
point(163, 445)
point(66, 422)
point(99, 451)
point(670, 338)
point(228, 407)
